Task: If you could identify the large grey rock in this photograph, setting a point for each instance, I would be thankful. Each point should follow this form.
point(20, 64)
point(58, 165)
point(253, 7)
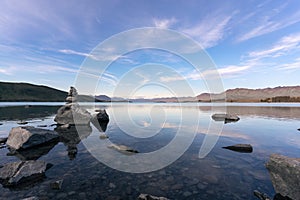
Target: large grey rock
point(72, 113)
point(285, 175)
point(15, 173)
point(29, 136)
point(150, 197)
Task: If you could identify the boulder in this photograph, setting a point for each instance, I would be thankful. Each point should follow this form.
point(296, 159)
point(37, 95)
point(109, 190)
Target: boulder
point(101, 115)
point(28, 136)
point(15, 173)
point(285, 175)
point(227, 118)
point(100, 120)
point(3, 140)
point(72, 113)
point(242, 148)
point(150, 197)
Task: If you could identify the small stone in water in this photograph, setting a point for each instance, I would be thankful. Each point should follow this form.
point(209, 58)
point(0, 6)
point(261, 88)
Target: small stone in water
point(103, 136)
point(56, 185)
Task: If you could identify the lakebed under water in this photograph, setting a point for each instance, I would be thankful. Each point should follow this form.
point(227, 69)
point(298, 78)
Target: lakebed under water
point(148, 127)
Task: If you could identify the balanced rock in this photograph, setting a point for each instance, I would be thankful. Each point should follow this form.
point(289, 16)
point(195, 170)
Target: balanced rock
point(72, 113)
point(28, 136)
point(285, 175)
point(15, 173)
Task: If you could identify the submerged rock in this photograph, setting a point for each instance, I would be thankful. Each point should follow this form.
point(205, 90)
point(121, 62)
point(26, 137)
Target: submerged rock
point(123, 149)
point(28, 136)
point(150, 197)
point(242, 148)
point(227, 118)
point(20, 172)
point(261, 196)
point(56, 185)
point(72, 113)
point(103, 136)
point(285, 175)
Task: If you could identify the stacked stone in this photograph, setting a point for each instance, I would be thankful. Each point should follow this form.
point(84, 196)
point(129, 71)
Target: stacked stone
point(72, 95)
point(67, 113)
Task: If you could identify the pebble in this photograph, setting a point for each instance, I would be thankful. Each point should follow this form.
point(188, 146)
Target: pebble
point(177, 186)
point(61, 195)
point(82, 195)
point(201, 186)
point(187, 193)
point(111, 185)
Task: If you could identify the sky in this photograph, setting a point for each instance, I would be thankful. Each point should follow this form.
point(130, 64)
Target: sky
point(253, 44)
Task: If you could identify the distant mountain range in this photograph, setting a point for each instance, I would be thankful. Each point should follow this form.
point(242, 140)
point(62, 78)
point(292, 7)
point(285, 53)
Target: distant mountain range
point(277, 94)
point(13, 92)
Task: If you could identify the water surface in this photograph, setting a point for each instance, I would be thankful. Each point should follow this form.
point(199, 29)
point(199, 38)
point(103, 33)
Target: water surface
point(222, 174)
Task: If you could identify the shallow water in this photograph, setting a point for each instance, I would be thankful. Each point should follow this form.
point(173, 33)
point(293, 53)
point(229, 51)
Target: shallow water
point(149, 128)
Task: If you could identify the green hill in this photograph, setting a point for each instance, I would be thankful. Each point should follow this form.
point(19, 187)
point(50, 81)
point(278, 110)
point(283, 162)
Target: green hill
point(28, 92)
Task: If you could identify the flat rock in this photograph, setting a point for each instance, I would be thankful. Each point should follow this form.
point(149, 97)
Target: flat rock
point(150, 197)
point(285, 175)
point(123, 148)
point(29, 136)
point(11, 174)
point(22, 122)
point(227, 118)
point(242, 148)
point(3, 140)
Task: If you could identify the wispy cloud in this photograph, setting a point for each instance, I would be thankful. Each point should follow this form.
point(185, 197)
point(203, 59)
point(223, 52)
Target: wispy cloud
point(266, 23)
point(210, 30)
point(8, 70)
point(72, 52)
point(164, 23)
point(291, 66)
point(208, 74)
point(281, 47)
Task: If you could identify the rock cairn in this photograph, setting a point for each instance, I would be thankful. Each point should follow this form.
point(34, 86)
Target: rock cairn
point(71, 113)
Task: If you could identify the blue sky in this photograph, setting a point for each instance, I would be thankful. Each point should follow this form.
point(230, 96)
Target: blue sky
point(254, 44)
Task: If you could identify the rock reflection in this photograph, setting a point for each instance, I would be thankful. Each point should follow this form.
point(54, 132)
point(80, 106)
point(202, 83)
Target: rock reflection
point(260, 111)
point(33, 153)
point(72, 136)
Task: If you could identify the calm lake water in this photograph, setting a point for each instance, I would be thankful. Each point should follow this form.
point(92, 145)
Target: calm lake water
point(221, 174)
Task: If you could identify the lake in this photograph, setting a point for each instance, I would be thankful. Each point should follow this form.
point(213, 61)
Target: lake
point(168, 137)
